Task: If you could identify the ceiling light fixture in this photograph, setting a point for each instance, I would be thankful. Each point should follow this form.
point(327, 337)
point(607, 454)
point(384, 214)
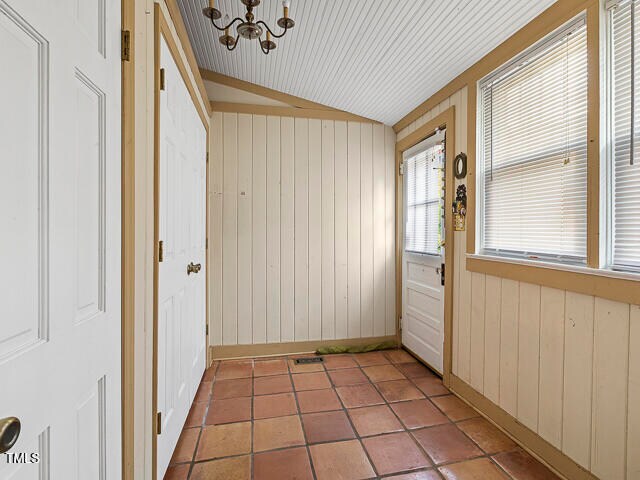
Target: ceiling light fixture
point(248, 28)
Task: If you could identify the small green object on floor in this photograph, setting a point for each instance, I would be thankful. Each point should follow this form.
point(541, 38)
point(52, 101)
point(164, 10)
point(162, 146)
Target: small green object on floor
point(359, 349)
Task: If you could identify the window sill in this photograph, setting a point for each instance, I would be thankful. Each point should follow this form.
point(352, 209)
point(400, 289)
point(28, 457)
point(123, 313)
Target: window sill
point(613, 285)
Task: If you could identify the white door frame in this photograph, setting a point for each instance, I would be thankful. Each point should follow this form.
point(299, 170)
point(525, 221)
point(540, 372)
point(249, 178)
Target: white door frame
point(446, 119)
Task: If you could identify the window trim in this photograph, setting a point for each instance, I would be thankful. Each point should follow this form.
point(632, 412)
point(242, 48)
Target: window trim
point(592, 279)
point(607, 164)
point(498, 75)
point(532, 51)
point(598, 282)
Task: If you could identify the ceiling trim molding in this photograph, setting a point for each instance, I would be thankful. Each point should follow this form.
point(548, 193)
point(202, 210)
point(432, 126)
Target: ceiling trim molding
point(288, 112)
point(263, 91)
point(183, 36)
point(550, 19)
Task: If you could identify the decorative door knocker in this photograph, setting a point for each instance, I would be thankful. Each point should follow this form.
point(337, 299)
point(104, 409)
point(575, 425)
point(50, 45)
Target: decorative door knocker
point(460, 209)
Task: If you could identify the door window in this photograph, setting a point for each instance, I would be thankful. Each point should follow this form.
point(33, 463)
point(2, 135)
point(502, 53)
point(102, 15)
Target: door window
point(424, 182)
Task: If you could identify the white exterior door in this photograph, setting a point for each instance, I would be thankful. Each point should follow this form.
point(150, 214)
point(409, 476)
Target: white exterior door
point(60, 182)
point(423, 251)
point(182, 224)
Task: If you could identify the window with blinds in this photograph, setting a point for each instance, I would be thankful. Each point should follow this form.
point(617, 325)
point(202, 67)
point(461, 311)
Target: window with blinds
point(533, 151)
point(423, 174)
point(624, 153)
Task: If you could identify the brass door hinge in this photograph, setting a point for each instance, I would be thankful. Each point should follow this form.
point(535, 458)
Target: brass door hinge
point(162, 84)
point(125, 45)
point(158, 423)
point(160, 251)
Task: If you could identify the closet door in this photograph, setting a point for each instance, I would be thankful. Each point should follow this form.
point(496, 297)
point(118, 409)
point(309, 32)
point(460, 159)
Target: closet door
point(181, 273)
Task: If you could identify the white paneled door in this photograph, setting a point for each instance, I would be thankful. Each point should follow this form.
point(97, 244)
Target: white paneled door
point(181, 280)
point(423, 250)
point(60, 322)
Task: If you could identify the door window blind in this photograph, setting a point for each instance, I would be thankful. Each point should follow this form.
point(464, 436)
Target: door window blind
point(624, 164)
point(533, 146)
point(423, 171)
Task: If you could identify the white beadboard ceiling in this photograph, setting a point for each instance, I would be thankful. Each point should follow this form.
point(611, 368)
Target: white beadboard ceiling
point(375, 58)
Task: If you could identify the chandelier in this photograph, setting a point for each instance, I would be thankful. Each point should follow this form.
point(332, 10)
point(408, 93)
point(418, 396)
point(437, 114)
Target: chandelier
point(248, 28)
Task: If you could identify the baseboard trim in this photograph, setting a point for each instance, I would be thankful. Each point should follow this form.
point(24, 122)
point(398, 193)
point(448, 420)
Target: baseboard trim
point(526, 437)
point(222, 352)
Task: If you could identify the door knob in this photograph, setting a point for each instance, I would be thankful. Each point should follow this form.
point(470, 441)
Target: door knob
point(9, 433)
point(193, 268)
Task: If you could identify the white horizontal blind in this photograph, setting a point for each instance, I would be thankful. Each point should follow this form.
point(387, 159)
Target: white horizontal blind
point(534, 151)
point(423, 170)
point(625, 166)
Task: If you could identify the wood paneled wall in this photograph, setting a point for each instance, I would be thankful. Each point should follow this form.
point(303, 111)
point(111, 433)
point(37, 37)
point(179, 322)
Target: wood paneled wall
point(302, 229)
point(565, 365)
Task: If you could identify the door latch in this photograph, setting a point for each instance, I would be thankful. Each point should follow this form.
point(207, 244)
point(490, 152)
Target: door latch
point(440, 270)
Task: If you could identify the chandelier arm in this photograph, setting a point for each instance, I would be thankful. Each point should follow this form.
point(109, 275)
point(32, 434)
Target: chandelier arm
point(235, 44)
point(222, 29)
point(266, 52)
point(260, 22)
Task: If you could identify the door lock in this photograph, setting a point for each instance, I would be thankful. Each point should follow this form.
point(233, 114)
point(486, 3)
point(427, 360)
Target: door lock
point(9, 433)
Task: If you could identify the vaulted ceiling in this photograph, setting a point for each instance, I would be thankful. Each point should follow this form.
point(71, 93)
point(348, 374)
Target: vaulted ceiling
point(375, 58)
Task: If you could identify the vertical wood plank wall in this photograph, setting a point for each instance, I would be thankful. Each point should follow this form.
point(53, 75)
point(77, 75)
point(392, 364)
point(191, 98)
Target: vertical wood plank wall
point(302, 229)
point(565, 365)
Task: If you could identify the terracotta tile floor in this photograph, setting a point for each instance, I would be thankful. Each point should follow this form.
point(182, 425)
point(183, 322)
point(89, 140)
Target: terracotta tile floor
point(372, 415)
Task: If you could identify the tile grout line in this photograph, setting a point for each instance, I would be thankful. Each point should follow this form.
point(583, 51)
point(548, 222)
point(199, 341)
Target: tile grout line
point(345, 409)
point(360, 367)
point(486, 455)
point(203, 420)
point(290, 374)
point(432, 464)
point(346, 412)
point(304, 432)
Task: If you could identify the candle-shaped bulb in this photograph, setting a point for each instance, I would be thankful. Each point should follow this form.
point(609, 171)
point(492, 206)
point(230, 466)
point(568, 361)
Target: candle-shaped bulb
point(268, 36)
point(212, 3)
point(285, 6)
point(225, 22)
